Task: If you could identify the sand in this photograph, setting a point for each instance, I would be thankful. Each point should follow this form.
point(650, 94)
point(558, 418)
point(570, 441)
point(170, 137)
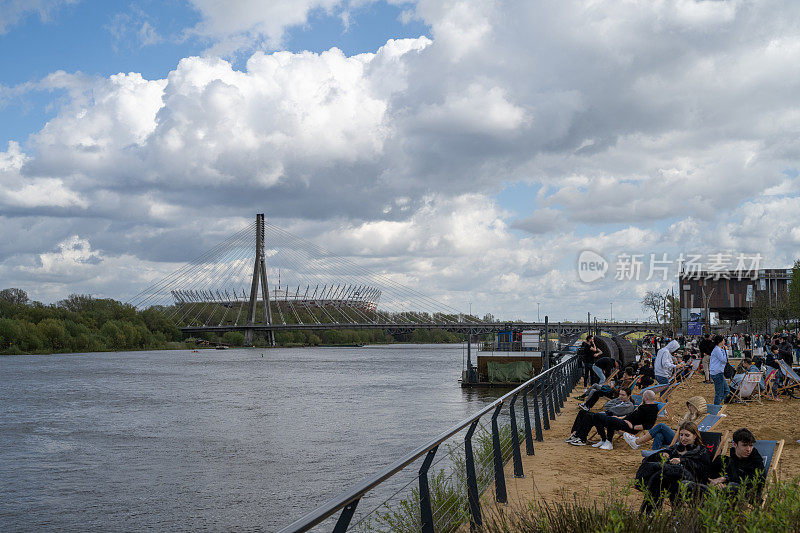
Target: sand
point(559, 470)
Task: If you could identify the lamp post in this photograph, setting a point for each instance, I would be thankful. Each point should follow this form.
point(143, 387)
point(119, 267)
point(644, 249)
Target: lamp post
point(537, 313)
point(612, 312)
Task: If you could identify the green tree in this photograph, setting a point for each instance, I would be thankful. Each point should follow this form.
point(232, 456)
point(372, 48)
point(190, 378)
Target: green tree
point(234, 338)
point(54, 334)
point(14, 296)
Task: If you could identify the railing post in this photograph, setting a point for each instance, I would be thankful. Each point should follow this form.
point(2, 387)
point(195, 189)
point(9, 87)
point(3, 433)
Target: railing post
point(347, 515)
point(537, 414)
point(424, 493)
point(556, 394)
point(515, 453)
point(499, 477)
point(526, 416)
point(562, 381)
point(550, 401)
point(472, 480)
point(545, 408)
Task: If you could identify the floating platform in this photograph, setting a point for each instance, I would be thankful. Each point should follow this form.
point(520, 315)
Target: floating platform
point(534, 358)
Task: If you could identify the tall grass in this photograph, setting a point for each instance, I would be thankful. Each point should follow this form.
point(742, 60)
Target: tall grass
point(717, 512)
point(448, 489)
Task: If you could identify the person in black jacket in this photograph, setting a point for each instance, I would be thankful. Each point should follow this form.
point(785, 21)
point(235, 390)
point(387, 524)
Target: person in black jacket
point(588, 352)
point(644, 417)
point(647, 373)
point(744, 466)
point(706, 346)
point(786, 350)
point(584, 421)
point(688, 460)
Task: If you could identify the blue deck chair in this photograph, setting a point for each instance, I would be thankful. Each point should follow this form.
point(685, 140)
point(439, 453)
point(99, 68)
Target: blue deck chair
point(771, 451)
point(714, 409)
point(709, 422)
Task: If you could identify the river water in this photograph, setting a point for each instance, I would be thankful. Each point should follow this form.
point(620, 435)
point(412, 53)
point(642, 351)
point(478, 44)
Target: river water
point(239, 439)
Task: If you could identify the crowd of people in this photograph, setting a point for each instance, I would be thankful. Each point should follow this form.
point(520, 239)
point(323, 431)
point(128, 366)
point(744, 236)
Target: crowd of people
point(678, 457)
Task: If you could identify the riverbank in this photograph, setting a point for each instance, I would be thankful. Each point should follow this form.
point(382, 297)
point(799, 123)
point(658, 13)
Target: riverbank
point(560, 472)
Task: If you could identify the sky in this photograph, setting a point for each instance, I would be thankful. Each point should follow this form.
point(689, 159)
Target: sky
point(473, 148)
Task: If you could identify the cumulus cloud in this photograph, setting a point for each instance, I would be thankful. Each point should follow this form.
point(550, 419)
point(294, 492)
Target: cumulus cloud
point(235, 24)
point(646, 126)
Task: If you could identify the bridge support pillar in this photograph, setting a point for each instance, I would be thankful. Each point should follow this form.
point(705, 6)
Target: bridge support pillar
point(259, 278)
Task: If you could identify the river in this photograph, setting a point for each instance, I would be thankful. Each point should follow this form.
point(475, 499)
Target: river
point(239, 439)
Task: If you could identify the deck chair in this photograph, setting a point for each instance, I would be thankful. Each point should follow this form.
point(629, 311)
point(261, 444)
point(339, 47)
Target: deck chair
point(771, 451)
point(666, 393)
point(637, 399)
point(658, 388)
point(662, 409)
point(714, 409)
point(709, 422)
point(610, 377)
point(770, 384)
point(792, 381)
point(749, 389)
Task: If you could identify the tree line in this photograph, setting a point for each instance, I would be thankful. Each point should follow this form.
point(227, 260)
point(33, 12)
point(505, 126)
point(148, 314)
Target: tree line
point(81, 323)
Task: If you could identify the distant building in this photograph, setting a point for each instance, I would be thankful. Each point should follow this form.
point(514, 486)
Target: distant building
point(730, 293)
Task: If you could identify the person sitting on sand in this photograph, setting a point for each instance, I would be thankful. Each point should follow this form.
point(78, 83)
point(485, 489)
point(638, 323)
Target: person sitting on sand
point(661, 434)
point(686, 460)
point(584, 421)
point(742, 468)
point(643, 417)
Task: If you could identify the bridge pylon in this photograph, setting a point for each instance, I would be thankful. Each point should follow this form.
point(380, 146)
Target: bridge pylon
point(259, 278)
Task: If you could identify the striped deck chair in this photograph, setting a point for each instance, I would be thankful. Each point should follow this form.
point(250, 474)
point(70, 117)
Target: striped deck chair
point(770, 383)
point(709, 422)
point(792, 381)
point(749, 389)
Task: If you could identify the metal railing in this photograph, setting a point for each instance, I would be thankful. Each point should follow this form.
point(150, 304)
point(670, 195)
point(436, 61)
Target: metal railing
point(548, 390)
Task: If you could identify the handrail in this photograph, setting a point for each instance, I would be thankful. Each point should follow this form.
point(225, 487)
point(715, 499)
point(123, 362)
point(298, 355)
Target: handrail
point(337, 503)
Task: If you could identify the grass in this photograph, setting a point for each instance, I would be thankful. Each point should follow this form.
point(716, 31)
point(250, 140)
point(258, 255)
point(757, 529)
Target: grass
point(448, 489)
point(717, 512)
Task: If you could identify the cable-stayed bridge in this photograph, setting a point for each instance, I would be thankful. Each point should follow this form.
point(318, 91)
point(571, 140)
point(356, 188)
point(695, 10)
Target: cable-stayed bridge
point(265, 279)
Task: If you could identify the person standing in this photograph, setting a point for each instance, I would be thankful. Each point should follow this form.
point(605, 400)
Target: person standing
point(664, 365)
point(719, 358)
point(589, 352)
point(706, 345)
